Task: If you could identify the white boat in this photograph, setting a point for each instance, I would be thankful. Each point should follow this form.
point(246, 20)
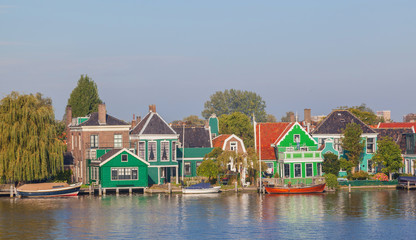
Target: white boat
point(201, 188)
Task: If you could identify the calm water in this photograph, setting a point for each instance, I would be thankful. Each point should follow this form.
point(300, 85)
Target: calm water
point(359, 215)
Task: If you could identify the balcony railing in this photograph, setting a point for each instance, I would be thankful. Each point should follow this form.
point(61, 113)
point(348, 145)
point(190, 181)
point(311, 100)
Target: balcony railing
point(299, 155)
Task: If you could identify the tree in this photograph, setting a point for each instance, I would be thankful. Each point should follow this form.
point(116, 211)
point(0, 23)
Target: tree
point(388, 156)
point(271, 118)
point(347, 166)
point(331, 164)
point(190, 121)
point(364, 113)
point(286, 118)
point(352, 143)
point(214, 153)
point(29, 147)
point(208, 168)
point(232, 100)
point(84, 98)
point(239, 124)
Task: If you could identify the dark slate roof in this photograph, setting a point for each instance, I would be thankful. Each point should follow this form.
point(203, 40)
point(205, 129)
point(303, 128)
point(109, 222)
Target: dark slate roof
point(110, 120)
point(109, 154)
point(152, 124)
point(337, 121)
point(195, 137)
point(396, 134)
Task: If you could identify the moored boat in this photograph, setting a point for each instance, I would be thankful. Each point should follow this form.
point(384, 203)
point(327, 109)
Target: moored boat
point(291, 189)
point(201, 188)
point(48, 190)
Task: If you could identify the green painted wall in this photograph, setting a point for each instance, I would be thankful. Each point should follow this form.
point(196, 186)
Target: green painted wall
point(105, 172)
point(213, 123)
point(158, 159)
point(305, 140)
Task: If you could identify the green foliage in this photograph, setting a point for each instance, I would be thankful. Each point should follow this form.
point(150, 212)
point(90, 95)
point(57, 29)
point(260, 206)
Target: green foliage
point(346, 165)
point(364, 113)
point(286, 118)
point(225, 158)
point(352, 143)
point(239, 124)
point(360, 175)
point(232, 100)
point(208, 168)
point(388, 155)
point(331, 164)
point(190, 121)
point(84, 98)
point(29, 147)
point(64, 176)
point(271, 118)
point(214, 153)
point(331, 181)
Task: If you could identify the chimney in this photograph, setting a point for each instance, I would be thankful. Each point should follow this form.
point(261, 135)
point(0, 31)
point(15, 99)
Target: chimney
point(68, 115)
point(292, 117)
point(138, 119)
point(152, 108)
point(133, 122)
point(307, 115)
point(102, 114)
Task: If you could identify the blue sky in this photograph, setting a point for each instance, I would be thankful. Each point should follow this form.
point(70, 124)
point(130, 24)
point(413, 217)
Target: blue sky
point(175, 54)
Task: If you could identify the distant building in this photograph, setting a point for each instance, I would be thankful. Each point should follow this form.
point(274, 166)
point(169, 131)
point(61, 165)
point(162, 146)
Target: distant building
point(386, 114)
point(411, 117)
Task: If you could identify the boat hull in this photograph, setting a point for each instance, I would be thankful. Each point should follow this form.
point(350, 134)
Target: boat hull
point(285, 190)
point(202, 190)
point(69, 191)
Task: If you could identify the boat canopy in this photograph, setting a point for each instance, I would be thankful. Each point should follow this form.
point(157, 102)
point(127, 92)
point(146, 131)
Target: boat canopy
point(200, 186)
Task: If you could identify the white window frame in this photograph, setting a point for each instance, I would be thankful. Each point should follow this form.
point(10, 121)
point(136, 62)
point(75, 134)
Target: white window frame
point(148, 150)
point(306, 169)
point(234, 146)
point(190, 168)
point(284, 169)
point(173, 150)
point(294, 170)
point(124, 170)
point(373, 146)
point(319, 168)
point(290, 149)
point(94, 144)
point(294, 137)
point(141, 151)
point(127, 157)
point(118, 140)
point(166, 144)
point(304, 149)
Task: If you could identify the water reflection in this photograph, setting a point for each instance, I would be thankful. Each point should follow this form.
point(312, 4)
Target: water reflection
point(360, 214)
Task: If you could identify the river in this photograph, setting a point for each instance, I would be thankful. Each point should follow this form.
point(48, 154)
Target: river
point(361, 214)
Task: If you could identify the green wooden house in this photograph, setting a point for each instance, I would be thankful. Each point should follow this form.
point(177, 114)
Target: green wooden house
point(289, 150)
point(156, 142)
point(119, 168)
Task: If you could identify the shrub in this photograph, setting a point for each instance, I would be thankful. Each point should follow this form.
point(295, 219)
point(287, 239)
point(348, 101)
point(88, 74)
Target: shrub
point(381, 177)
point(361, 175)
point(331, 181)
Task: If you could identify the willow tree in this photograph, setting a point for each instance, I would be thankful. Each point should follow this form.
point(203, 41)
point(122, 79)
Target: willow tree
point(29, 147)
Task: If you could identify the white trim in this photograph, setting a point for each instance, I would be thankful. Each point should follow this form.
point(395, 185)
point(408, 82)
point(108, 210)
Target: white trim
point(148, 120)
point(153, 137)
point(102, 128)
point(159, 166)
point(191, 159)
point(302, 160)
point(306, 169)
point(131, 168)
point(296, 123)
point(124, 149)
point(148, 153)
point(168, 152)
point(294, 170)
point(229, 138)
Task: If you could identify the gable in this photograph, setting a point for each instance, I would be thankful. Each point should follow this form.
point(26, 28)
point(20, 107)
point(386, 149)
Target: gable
point(266, 135)
point(153, 124)
point(113, 158)
point(305, 140)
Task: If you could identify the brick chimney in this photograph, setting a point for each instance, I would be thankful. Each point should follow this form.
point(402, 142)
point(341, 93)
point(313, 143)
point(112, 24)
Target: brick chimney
point(138, 119)
point(292, 117)
point(307, 115)
point(102, 114)
point(133, 122)
point(152, 108)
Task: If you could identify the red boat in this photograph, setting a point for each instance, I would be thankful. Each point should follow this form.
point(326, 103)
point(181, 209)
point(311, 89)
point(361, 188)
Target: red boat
point(307, 189)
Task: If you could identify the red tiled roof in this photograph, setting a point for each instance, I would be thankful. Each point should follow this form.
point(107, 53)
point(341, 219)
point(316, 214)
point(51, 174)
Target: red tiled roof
point(397, 125)
point(219, 141)
point(270, 133)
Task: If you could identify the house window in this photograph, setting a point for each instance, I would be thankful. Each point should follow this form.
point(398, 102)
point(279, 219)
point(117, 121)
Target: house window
point(117, 141)
point(370, 145)
point(187, 168)
point(296, 138)
point(173, 151)
point(287, 170)
point(198, 164)
point(79, 142)
point(319, 168)
point(233, 146)
point(309, 171)
point(290, 149)
point(321, 142)
point(142, 152)
point(94, 173)
point(369, 166)
point(124, 158)
point(337, 144)
point(298, 170)
point(94, 141)
point(304, 149)
point(124, 174)
point(151, 151)
point(164, 151)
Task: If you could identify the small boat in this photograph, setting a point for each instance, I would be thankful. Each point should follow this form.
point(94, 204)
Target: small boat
point(48, 190)
point(201, 188)
point(290, 189)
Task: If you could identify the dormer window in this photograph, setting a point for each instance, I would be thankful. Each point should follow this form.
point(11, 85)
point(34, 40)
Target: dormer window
point(233, 146)
point(124, 158)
